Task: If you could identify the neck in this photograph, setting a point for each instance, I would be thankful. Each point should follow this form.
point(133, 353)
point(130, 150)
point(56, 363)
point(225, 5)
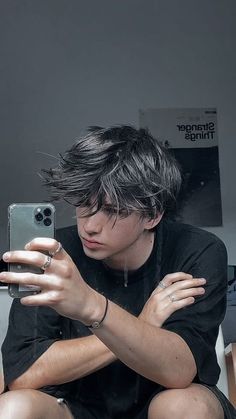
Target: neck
point(134, 257)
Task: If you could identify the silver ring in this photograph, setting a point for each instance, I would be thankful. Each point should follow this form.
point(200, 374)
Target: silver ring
point(47, 263)
point(171, 297)
point(162, 285)
point(57, 250)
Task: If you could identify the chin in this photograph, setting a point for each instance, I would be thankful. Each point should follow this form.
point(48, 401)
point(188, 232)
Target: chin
point(95, 254)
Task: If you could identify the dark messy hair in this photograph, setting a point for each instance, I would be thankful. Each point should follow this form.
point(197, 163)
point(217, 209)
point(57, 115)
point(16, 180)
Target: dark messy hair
point(119, 166)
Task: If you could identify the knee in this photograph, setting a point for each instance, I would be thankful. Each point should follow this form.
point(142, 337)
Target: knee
point(195, 402)
point(163, 406)
point(17, 403)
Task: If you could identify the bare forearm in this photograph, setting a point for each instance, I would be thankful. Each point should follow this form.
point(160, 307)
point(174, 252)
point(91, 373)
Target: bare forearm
point(155, 353)
point(65, 361)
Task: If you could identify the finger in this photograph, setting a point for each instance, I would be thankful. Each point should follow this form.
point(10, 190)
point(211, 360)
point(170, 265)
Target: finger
point(161, 285)
point(52, 246)
point(58, 250)
point(190, 292)
point(27, 278)
point(33, 258)
point(194, 283)
point(48, 298)
point(175, 277)
point(170, 279)
point(179, 284)
point(178, 304)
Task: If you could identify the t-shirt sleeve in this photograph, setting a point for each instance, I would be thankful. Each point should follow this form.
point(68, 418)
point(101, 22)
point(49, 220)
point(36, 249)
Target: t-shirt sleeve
point(31, 331)
point(198, 324)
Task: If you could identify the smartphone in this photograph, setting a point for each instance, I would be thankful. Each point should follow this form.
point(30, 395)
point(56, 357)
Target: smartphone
point(25, 222)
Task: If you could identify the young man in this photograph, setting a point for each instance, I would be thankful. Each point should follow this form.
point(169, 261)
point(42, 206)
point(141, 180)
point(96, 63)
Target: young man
point(127, 318)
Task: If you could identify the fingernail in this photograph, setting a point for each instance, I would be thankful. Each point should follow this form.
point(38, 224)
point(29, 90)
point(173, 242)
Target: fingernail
point(2, 276)
point(6, 256)
point(202, 280)
point(27, 246)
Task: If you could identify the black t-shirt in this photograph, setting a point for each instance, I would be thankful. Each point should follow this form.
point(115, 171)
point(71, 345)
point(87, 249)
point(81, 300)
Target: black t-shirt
point(116, 390)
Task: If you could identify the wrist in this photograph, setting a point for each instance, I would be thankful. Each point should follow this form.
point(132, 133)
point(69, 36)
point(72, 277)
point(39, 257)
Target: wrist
point(97, 323)
point(96, 311)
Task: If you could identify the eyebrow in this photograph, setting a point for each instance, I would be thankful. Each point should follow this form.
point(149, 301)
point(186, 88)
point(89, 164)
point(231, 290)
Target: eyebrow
point(110, 207)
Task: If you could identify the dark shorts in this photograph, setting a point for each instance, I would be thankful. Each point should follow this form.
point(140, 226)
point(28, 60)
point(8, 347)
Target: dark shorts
point(229, 410)
point(87, 412)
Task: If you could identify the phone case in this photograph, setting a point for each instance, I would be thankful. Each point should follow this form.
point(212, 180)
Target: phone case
point(25, 222)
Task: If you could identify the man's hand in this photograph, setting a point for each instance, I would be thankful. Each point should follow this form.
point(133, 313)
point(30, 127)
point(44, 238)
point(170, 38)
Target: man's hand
point(175, 291)
point(62, 286)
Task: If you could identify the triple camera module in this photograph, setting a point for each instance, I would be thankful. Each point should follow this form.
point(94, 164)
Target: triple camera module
point(43, 215)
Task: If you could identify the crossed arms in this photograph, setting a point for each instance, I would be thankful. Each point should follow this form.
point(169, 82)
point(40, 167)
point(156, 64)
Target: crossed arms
point(67, 360)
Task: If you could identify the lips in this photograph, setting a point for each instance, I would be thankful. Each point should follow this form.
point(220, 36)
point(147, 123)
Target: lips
point(91, 244)
point(90, 241)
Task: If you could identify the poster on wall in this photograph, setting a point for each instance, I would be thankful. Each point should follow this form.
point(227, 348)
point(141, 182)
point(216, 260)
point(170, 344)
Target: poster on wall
point(191, 135)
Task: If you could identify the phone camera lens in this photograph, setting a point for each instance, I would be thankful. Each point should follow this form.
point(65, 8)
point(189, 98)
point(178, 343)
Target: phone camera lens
point(47, 212)
point(39, 216)
point(47, 221)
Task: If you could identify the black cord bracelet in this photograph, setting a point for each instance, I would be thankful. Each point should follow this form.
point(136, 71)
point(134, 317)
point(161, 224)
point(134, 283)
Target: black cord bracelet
point(96, 324)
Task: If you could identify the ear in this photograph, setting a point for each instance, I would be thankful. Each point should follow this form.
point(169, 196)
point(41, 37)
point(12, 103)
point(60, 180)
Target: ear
point(153, 223)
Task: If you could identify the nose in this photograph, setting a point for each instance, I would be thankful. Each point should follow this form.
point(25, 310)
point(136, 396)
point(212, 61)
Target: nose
point(93, 224)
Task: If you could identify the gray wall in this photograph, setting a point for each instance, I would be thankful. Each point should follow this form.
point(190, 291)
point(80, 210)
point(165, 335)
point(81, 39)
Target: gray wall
point(67, 64)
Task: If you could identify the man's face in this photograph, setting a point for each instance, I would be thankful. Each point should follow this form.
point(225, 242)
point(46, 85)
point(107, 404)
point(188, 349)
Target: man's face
point(115, 240)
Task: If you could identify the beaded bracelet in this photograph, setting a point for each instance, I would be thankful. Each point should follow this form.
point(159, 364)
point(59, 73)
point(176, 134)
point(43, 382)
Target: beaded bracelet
point(96, 324)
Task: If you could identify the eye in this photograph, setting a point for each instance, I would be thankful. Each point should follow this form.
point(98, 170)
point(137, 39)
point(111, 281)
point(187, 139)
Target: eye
point(84, 211)
point(110, 211)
